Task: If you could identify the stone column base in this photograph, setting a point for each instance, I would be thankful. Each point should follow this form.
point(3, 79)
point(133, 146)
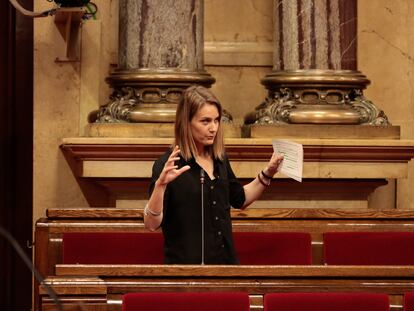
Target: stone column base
point(316, 97)
point(147, 96)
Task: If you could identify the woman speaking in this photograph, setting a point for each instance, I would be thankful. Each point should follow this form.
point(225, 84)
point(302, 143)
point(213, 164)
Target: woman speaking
point(198, 157)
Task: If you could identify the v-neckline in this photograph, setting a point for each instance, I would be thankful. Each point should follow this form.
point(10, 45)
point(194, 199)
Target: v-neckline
point(212, 177)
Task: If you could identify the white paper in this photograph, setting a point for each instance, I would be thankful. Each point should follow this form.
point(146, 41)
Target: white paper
point(292, 152)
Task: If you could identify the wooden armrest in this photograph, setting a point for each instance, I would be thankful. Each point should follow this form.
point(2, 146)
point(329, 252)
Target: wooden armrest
point(255, 213)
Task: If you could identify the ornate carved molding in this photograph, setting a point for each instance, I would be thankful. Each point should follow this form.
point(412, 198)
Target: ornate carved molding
point(316, 97)
point(147, 95)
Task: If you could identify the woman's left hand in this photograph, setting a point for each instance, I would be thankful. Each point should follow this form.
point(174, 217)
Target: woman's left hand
point(274, 164)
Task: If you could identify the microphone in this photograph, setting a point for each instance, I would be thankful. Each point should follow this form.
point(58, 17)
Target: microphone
point(202, 215)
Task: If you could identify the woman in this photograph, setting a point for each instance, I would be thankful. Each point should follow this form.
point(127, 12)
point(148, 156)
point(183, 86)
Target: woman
point(175, 201)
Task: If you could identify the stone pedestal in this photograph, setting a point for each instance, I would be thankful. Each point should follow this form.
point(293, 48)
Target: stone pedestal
point(336, 173)
point(322, 131)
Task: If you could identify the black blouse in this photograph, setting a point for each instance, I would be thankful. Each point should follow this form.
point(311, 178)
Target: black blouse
point(181, 223)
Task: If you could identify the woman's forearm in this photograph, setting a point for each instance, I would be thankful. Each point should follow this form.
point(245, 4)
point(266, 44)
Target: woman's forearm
point(153, 212)
point(255, 188)
point(253, 191)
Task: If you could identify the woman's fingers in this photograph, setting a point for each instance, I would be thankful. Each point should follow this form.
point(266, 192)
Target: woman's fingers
point(278, 161)
point(170, 170)
point(274, 163)
point(182, 170)
point(171, 161)
point(175, 151)
point(173, 157)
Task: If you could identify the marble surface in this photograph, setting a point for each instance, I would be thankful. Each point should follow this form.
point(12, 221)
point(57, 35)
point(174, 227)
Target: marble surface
point(386, 57)
point(238, 21)
point(161, 34)
point(238, 88)
point(314, 34)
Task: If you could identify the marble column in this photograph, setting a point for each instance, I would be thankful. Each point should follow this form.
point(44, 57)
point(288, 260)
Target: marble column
point(315, 78)
point(160, 53)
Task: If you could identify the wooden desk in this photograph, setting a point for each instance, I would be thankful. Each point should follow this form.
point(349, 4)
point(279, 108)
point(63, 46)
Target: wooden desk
point(100, 287)
point(92, 283)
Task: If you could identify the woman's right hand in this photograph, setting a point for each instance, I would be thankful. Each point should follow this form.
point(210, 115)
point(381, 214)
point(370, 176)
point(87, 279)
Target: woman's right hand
point(170, 170)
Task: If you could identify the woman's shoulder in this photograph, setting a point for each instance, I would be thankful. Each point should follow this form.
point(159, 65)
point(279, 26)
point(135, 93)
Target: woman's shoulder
point(163, 158)
point(224, 159)
point(160, 162)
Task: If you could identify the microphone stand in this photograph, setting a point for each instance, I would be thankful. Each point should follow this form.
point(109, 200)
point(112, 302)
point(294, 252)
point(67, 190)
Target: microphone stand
point(202, 215)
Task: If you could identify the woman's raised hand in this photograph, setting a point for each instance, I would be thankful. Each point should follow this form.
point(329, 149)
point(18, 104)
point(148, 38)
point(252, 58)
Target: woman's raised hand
point(274, 164)
point(170, 170)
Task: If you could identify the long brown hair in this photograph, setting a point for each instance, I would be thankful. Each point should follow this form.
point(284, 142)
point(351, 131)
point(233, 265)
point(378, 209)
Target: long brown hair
point(192, 100)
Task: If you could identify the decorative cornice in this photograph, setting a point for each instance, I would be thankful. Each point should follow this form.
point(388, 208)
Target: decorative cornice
point(312, 153)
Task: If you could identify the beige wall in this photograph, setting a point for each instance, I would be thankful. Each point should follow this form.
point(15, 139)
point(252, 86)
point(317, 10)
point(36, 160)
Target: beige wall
point(386, 57)
point(65, 92)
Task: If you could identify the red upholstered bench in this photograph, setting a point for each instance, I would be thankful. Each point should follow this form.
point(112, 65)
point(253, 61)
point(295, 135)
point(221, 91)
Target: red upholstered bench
point(273, 248)
point(326, 302)
point(409, 301)
point(182, 301)
point(369, 248)
point(112, 248)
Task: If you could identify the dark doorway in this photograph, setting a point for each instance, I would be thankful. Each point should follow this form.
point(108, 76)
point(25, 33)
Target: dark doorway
point(16, 152)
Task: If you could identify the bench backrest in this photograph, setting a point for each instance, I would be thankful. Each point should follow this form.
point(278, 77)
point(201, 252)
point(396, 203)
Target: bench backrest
point(273, 248)
point(408, 301)
point(253, 248)
point(179, 301)
point(112, 248)
point(368, 248)
point(326, 302)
